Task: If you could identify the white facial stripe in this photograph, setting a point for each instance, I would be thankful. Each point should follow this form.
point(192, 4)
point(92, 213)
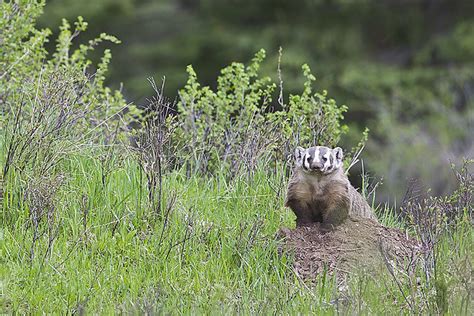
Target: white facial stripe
point(305, 161)
point(321, 158)
point(316, 155)
point(337, 162)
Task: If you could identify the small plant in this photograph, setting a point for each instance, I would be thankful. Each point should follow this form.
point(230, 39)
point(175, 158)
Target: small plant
point(40, 197)
point(155, 145)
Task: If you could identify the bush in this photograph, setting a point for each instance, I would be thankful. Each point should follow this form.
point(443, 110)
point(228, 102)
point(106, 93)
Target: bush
point(238, 125)
point(50, 105)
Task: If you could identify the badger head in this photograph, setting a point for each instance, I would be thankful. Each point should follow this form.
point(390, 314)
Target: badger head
point(319, 159)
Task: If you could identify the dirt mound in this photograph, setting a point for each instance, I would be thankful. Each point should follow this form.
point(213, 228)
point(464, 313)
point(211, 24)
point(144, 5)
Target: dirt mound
point(359, 243)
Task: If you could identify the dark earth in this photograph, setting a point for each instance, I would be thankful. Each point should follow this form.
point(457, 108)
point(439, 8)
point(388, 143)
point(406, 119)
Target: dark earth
point(358, 244)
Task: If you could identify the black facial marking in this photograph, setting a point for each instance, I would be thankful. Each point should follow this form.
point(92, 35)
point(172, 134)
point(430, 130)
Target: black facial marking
point(305, 157)
point(311, 152)
point(338, 153)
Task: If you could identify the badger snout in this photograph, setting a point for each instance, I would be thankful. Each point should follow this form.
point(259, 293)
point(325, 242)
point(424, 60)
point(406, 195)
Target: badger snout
point(311, 164)
point(317, 166)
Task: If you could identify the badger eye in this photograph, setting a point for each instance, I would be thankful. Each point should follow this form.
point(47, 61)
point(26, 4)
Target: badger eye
point(325, 159)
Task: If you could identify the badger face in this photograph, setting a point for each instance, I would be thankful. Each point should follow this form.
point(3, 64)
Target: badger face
point(319, 159)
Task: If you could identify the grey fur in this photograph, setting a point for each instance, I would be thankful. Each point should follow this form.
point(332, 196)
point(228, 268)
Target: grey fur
point(322, 192)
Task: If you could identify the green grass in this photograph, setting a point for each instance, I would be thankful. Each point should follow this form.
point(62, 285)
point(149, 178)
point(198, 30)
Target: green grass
point(217, 252)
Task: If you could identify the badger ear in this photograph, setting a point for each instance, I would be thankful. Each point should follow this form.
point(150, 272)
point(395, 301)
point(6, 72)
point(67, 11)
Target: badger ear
point(299, 153)
point(339, 156)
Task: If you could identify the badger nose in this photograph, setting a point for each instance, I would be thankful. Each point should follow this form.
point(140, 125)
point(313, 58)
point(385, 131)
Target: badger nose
point(317, 166)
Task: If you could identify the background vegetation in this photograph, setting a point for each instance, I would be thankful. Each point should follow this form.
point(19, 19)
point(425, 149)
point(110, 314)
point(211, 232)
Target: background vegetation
point(404, 68)
point(180, 213)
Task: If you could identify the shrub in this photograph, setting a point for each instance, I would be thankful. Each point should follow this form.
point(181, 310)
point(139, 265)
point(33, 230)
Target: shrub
point(238, 124)
point(49, 105)
point(52, 106)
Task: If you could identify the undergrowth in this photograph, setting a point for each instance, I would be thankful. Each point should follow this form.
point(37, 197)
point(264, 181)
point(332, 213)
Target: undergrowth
point(214, 250)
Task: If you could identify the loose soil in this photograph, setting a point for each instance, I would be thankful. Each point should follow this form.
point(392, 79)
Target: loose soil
point(357, 244)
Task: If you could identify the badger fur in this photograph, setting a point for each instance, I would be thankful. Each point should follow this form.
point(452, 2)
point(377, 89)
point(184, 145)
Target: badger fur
point(319, 190)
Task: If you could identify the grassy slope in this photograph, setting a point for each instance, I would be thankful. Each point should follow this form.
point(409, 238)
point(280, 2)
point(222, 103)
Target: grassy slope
point(217, 252)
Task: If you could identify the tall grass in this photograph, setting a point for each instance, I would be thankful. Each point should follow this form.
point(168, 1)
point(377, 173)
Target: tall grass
point(215, 250)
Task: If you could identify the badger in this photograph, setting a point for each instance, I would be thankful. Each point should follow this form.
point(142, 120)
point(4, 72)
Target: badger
point(319, 190)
